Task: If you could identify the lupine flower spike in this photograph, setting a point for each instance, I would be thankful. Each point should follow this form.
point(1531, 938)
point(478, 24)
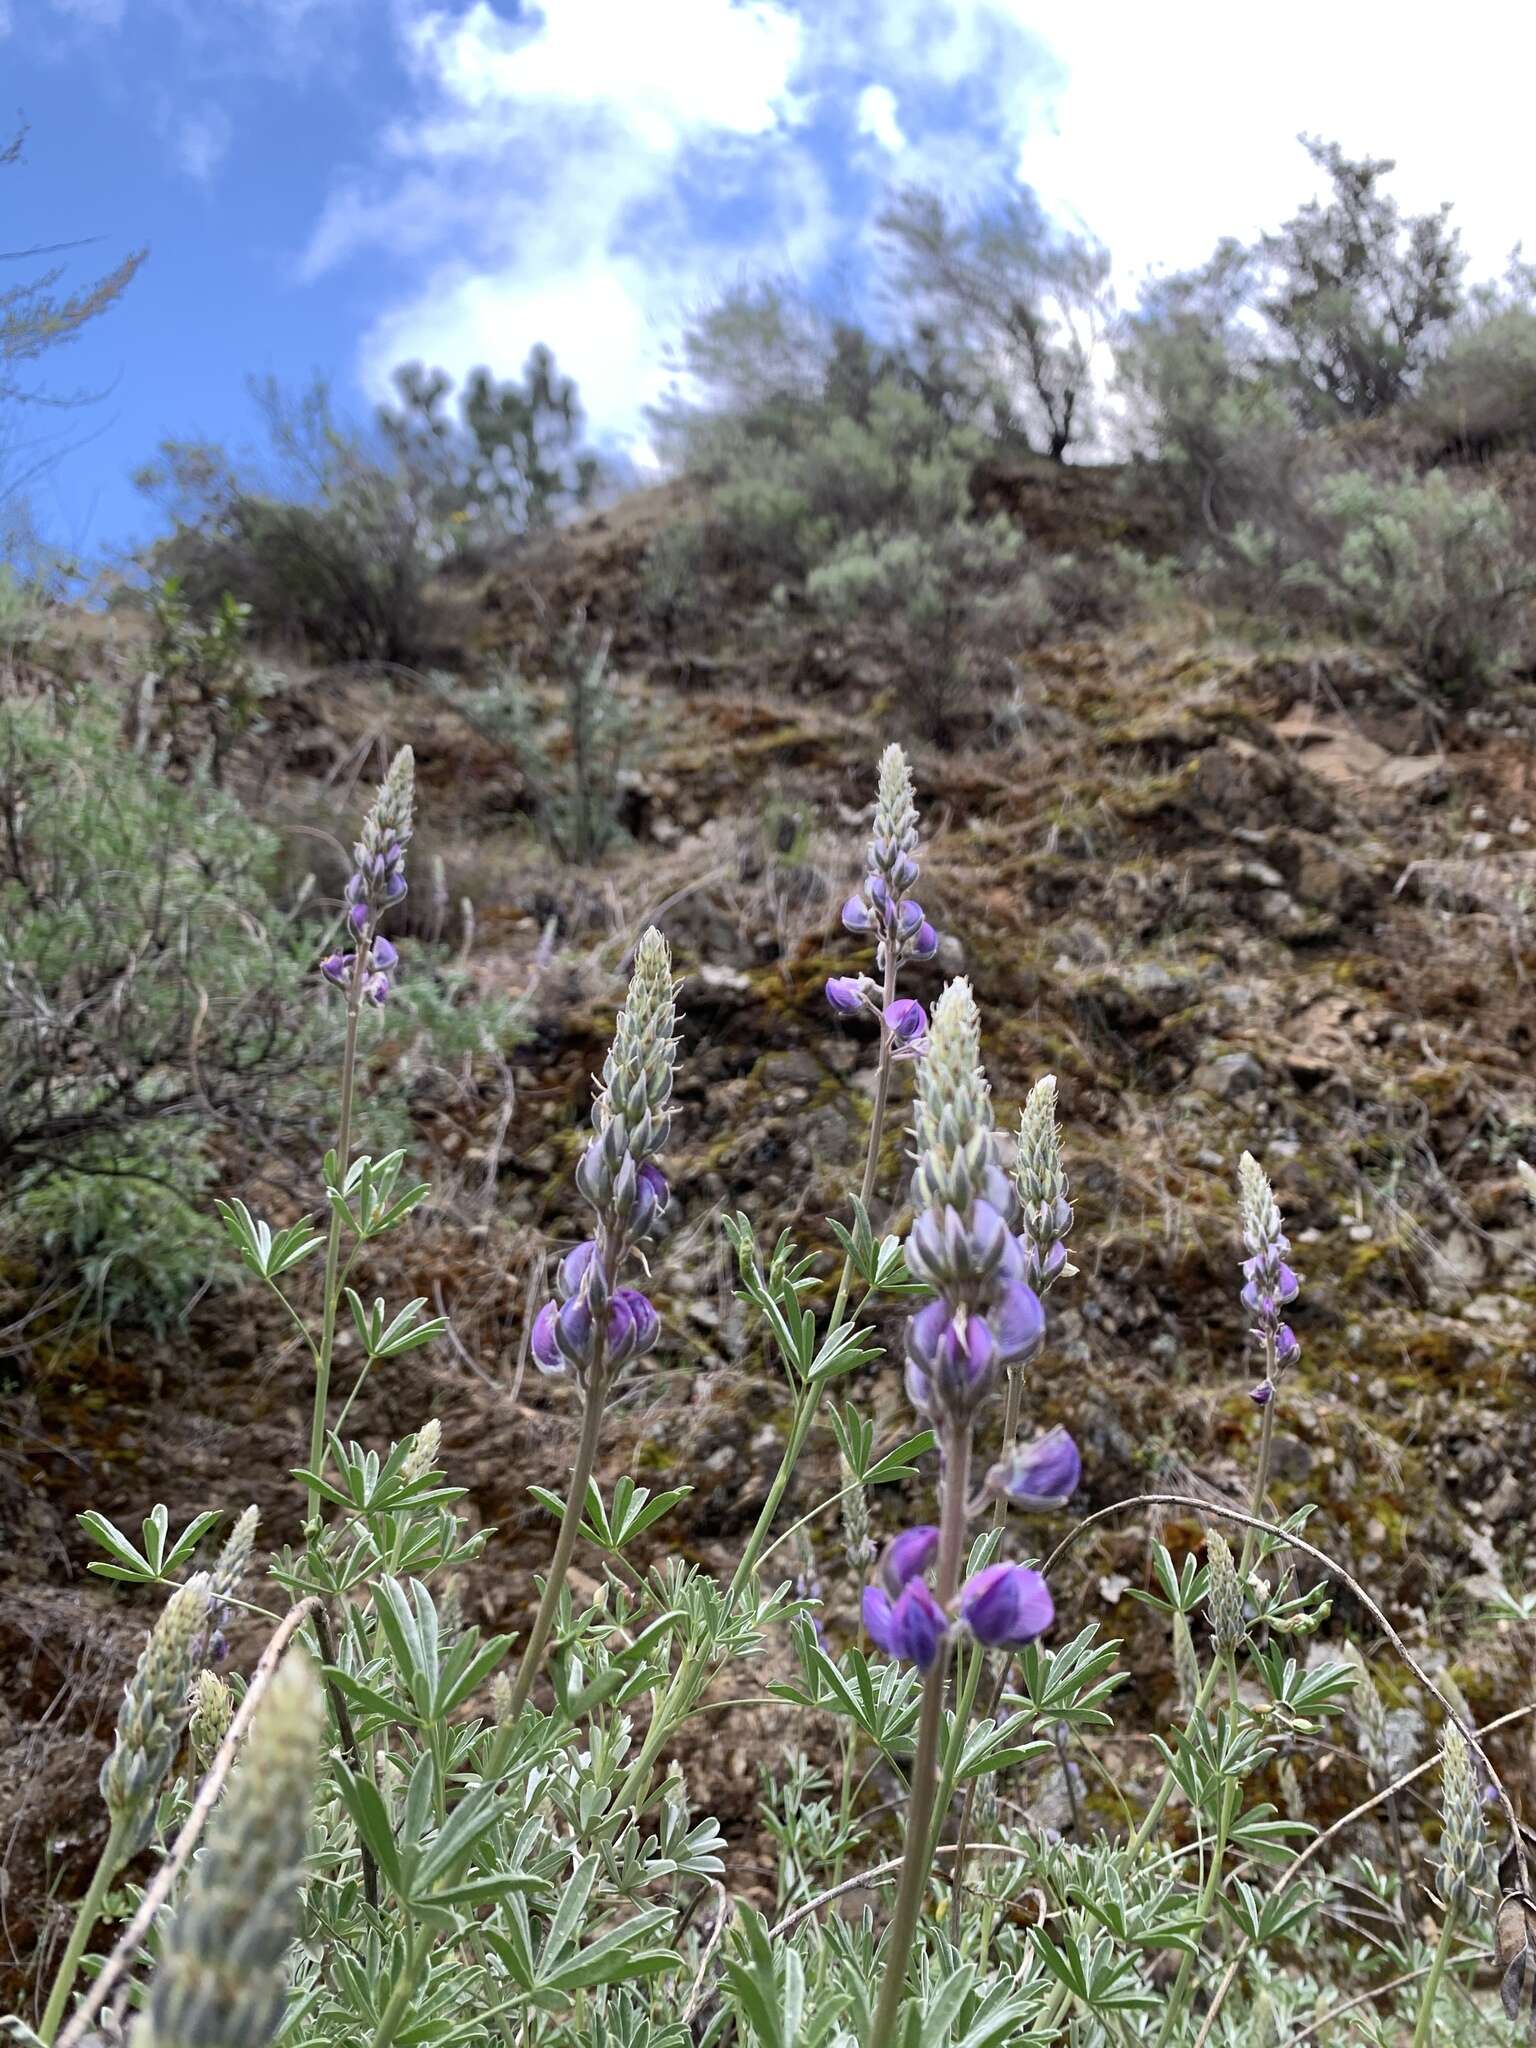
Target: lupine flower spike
point(1270, 1285)
point(1042, 1184)
point(223, 1982)
point(883, 908)
point(1463, 1848)
point(597, 1322)
point(154, 1712)
point(377, 883)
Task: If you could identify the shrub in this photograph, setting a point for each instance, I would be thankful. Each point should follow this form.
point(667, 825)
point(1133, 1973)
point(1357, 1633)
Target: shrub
point(200, 673)
point(148, 986)
point(1423, 564)
point(490, 1835)
point(1480, 397)
point(570, 757)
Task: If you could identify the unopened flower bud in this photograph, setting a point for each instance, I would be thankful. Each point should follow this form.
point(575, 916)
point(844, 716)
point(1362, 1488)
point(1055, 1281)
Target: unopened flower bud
point(1224, 1598)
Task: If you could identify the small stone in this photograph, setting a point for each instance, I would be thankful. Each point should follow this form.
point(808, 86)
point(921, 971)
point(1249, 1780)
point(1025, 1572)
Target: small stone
point(1360, 1233)
point(1519, 827)
point(1229, 1075)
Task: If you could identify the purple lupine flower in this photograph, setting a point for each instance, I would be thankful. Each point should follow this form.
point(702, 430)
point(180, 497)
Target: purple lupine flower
point(883, 903)
point(595, 1324)
point(845, 992)
point(1038, 1476)
point(908, 1556)
point(1042, 1187)
point(907, 1022)
point(337, 967)
point(1262, 1394)
point(1002, 1605)
point(1269, 1284)
point(962, 1243)
point(910, 1628)
point(1006, 1606)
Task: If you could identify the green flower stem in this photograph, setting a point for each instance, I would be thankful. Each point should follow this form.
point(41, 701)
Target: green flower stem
point(1432, 1982)
point(681, 1696)
point(88, 1913)
point(400, 1995)
point(1154, 1812)
point(1180, 1992)
point(917, 1854)
point(333, 1243)
point(565, 1543)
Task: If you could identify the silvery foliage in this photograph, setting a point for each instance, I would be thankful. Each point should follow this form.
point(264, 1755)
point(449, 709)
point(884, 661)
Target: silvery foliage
point(475, 1870)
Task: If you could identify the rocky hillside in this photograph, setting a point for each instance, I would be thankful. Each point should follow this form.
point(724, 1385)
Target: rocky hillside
point(1233, 895)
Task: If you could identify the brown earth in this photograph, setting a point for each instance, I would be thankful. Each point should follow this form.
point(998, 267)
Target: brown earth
point(1231, 897)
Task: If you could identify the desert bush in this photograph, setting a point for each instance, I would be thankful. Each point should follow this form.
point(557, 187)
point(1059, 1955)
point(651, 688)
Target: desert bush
point(200, 674)
point(153, 1014)
point(1480, 396)
point(1424, 564)
point(494, 1846)
point(569, 742)
point(323, 543)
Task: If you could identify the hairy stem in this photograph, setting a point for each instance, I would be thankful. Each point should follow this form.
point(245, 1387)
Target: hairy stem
point(1432, 1982)
point(917, 1856)
point(1207, 1906)
point(400, 1994)
point(88, 1913)
point(333, 1242)
point(565, 1544)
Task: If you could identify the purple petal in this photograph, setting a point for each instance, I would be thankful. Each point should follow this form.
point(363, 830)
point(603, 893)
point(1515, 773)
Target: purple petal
point(546, 1352)
point(856, 916)
point(1018, 1323)
point(642, 1325)
point(876, 1609)
point(908, 1557)
point(1007, 1604)
point(337, 967)
point(358, 917)
point(845, 992)
point(384, 955)
point(573, 1267)
point(1043, 1474)
point(906, 1021)
point(919, 1623)
point(924, 942)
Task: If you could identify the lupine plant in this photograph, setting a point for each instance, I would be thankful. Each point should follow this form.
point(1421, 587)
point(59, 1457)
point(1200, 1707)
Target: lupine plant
point(396, 1831)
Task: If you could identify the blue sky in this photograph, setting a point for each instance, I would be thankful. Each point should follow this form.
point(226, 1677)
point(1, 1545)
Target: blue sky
point(338, 185)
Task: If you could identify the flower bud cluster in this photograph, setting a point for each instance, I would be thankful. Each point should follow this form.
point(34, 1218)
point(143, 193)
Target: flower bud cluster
point(882, 907)
point(1225, 1596)
point(210, 1709)
point(595, 1324)
point(985, 1316)
point(154, 1712)
point(1269, 1283)
point(1463, 1847)
point(223, 1980)
point(1046, 1213)
point(1003, 1606)
point(376, 883)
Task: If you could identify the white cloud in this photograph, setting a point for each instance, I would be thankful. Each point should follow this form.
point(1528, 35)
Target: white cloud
point(544, 185)
point(200, 143)
point(1175, 127)
point(664, 70)
point(878, 116)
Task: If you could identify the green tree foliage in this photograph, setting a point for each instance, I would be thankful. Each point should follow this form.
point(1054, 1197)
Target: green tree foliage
point(1022, 305)
point(507, 462)
point(1358, 295)
point(36, 317)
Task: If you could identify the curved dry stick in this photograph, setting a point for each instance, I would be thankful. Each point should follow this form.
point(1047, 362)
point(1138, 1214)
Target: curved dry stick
point(1345, 1820)
point(208, 1792)
point(864, 1877)
point(1255, 1522)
